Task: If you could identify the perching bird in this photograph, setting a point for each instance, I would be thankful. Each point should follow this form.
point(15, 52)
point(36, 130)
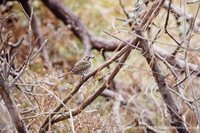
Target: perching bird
point(82, 67)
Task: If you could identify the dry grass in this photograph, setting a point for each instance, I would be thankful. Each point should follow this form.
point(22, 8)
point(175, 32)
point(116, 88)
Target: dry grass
point(135, 81)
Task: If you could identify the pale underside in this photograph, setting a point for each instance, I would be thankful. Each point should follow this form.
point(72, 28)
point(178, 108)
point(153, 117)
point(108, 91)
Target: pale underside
point(81, 67)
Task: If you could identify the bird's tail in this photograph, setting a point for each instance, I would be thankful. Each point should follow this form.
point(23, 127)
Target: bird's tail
point(64, 75)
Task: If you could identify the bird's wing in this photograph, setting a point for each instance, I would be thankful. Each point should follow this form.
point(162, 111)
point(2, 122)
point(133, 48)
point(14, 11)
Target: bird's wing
point(80, 66)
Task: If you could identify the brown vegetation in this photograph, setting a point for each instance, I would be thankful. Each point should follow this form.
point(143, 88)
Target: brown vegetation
point(145, 75)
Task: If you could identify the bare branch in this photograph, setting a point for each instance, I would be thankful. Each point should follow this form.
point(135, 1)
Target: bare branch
point(176, 117)
point(72, 20)
point(10, 104)
point(90, 99)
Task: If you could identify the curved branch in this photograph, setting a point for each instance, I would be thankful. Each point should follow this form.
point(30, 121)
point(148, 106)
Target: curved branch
point(177, 120)
point(76, 89)
point(72, 20)
point(82, 33)
point(125, 52)
point(11, 106)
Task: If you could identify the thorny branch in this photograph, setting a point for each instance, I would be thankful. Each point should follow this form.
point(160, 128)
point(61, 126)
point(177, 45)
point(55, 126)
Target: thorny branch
point(8, 52)
point(145, 20)
point(5, 88)
point(68, 17)
point(89, 100)
point(76, 89)
point(91, 41)
point(176, 117)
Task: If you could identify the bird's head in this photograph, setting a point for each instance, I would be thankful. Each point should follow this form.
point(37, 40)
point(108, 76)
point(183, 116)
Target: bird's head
point(88, 58)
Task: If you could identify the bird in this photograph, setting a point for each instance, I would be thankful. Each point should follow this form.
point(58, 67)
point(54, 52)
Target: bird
point(82, 67)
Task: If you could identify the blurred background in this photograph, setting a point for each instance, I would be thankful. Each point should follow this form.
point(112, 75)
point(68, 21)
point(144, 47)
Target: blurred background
point(142, 108)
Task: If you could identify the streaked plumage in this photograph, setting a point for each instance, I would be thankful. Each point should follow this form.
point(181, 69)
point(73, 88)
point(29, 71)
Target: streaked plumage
point(82, 67)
